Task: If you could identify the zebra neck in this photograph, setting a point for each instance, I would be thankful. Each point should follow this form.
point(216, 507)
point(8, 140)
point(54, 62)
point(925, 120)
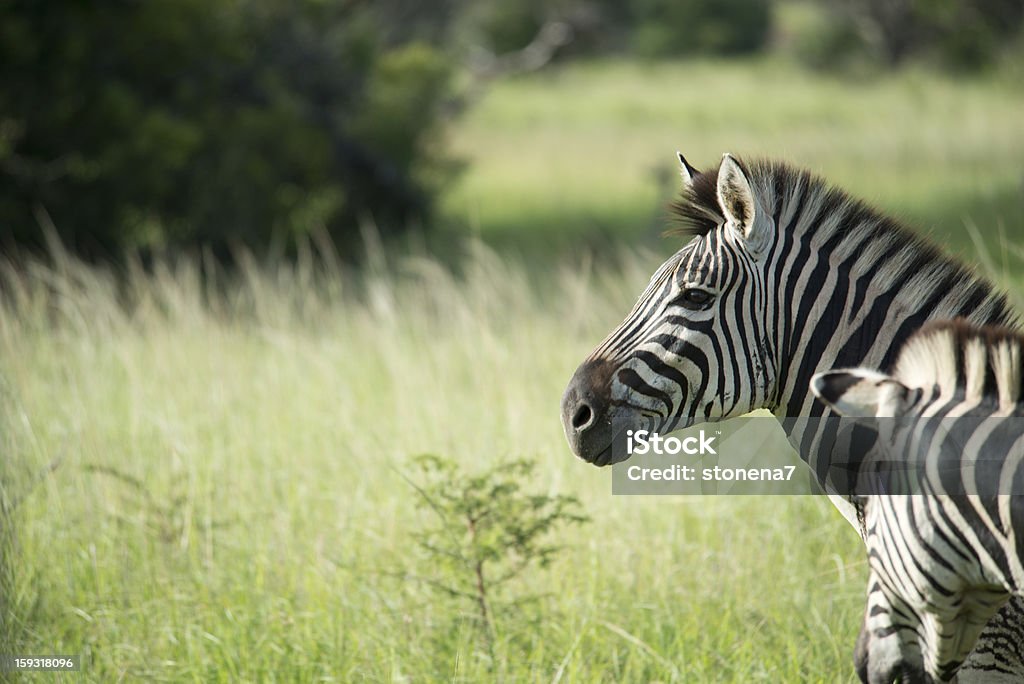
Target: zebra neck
point(802, 416)
point(852, 300)
point(849, 285)
point(852, 314)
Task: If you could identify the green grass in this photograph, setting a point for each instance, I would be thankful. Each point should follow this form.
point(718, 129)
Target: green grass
point(587, 152)
point(229, 503)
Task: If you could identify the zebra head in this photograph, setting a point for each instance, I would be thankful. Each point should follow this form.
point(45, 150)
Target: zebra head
point(695, 346)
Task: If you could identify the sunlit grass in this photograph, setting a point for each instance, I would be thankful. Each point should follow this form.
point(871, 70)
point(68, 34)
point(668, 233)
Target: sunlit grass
point(591, 146)
point(228, 500)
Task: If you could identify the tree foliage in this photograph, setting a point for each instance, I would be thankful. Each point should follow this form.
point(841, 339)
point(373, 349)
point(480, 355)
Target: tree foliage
point(654, 28)
point(132, 124)
point(175, 122)
point(688, 27)
point(958, 34)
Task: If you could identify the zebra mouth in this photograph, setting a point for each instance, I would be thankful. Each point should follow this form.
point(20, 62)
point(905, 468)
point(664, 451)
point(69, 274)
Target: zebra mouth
point(595, 427)
point(614, 452)
point(601, 459)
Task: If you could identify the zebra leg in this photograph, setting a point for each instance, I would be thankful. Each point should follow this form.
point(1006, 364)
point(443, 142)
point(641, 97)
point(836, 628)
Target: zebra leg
point(953, 624)
point(998, 655)
point(861, 650)
point(884, 654)
point(889, 647)
point(902, 642)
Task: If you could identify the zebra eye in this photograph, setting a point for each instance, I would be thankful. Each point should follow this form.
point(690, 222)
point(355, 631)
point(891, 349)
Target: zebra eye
point(693, 298)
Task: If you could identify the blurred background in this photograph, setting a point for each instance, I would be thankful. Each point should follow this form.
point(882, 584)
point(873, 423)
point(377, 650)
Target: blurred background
point(184, 125)
point(259, 256)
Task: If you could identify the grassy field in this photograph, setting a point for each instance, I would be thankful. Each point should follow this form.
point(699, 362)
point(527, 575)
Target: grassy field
point(587, 152)
point(204, 476)
point(229, 501)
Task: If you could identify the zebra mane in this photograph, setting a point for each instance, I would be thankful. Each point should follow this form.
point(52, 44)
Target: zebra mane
point(982, 361)
point(696, 212)
point(803, 204)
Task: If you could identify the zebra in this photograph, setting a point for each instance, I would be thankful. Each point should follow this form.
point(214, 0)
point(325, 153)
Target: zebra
point(945, 558)
point(782, 276)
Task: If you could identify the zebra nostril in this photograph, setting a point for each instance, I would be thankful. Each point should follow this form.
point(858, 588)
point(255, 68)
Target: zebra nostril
point(586, 409)
point(582, 417)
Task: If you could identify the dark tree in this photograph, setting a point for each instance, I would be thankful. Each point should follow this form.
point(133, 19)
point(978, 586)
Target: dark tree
point(135, 123)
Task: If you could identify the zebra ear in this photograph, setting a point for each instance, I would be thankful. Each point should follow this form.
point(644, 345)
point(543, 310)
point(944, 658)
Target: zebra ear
point(859, 393)
point(739, 206)
point(686, 171)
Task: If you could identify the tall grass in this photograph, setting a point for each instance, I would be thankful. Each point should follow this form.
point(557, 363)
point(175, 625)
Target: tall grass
point(588, 150)
point(203, 480)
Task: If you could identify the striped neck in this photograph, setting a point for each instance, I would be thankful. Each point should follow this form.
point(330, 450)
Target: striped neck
point(851, 284)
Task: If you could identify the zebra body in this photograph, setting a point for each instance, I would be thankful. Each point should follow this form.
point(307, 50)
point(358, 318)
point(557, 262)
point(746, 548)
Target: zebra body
point(942, 562)
point(783, 276)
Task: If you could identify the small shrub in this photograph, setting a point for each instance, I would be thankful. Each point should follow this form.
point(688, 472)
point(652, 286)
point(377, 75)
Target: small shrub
point(486, 533)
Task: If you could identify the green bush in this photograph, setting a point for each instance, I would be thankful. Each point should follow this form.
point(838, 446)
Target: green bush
point(485, 533)
point(508, 26)
point(686, 27)
point(187, 122)
point(822, 41)
point(654, 28)
point(964, 35)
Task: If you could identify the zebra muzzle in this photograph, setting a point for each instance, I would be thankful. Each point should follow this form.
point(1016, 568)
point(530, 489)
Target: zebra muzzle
point(586, 414)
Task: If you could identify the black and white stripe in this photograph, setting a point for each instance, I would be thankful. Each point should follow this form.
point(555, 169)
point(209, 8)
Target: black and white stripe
point(799, 278)
point(945, 558)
